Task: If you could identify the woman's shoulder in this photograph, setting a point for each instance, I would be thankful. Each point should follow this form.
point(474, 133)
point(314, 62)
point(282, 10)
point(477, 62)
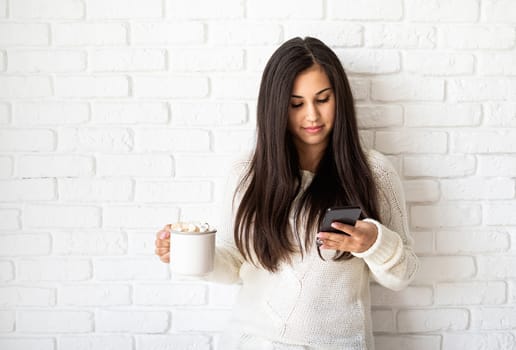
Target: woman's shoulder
point(380, 165)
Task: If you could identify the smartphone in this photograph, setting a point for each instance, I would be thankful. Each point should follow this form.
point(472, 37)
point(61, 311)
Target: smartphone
point(346, 215)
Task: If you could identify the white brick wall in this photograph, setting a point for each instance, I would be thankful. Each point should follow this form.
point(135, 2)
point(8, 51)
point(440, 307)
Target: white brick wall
point(117, 117)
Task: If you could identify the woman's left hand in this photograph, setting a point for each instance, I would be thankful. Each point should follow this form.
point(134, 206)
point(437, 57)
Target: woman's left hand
point(361, 237)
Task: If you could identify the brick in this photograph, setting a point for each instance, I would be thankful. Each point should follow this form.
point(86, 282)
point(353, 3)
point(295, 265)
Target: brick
point(7, 321)
point(162, 33)
point(124, 9)
point(141, 243)
point(50, 113)
point(233, 141)
point(497, 165)
point(161, 140)
point(25, 87)
point(366, 10)
point(289, 9)
point(9, 219)
point(3, 61)
point(439, 166)
point(170, 295)
point(3, 8)
point(391, 142)
point(499, 11)
point(173, 192)
point(139, 216)
point(200, 320)
point(482, 89)
point(208, 165)
point(446, 215)
point(442, 115)
point(62, 216)
point(369, 61)
point(400, 36)
point(173, 341)
point(478, 188)
point(134, 165)
point(478, 341)
point(6, 167)
point(123, 60)
point(396, 342)
point(235, 87)
point(512, 291)
point(16, 296)
point(500, 114)
point(496, 267)
point(477, 36)
point(94, 34)
point(411, 296)
point(493, 318)
point(95, 190)
point(421, 191)
point(132, 321)
point(24, 244)
point(407, 89)
point(5, 113)
point(332, 33)
point(437, 63)
point(54, 269)
point(205, 9)
point(443, 11)
point(24, 34)
point(360, 88)
point(31, 343)
point(497, 64)
point(96, 342)
point(104, 140)
point(500, 213)
point(445, 268)
point(170, 86)
point(89, 243)
point(467, 293)
point(6, 271)
point(433, 320)
point(223, 295)
point(130, 113)
point(52, 9)
point(95, 295)
point(27, 190)
point(423, 242)
point(55, 166)
point(92, 86)
point(209, 114)
point(495, 141)
point(56, 61)
point(244, 33)
point(206, 60)
point(383, 321)
point(27, 140)
point(472, 241)
point(54, 321)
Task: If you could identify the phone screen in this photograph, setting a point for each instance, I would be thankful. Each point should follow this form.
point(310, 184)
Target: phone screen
point(346, 215)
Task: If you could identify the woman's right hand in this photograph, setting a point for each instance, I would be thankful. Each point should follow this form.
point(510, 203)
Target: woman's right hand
point(162, 244)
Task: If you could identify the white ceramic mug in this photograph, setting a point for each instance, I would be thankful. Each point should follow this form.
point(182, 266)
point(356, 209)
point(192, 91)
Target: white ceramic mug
point(192, 253)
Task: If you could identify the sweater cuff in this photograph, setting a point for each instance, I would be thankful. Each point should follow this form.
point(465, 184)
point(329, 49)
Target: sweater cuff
point(385, 247)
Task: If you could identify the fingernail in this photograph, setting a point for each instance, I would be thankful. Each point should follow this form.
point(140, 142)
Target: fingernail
point(162, 235)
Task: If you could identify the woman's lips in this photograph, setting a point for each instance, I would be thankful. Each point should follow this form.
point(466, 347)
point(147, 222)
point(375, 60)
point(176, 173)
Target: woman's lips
point(313, 129)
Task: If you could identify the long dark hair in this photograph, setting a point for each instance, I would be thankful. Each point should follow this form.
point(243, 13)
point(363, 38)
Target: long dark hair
point(273, 180)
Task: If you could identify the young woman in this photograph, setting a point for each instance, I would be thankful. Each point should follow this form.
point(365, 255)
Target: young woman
point(308, 158)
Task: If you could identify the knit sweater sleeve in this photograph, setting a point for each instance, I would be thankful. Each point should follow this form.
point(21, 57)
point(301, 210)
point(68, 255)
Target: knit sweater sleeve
point(390, 259)
point(228, 259)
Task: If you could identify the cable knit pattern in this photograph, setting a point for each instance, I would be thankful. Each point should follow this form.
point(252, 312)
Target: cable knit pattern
point(314, 303)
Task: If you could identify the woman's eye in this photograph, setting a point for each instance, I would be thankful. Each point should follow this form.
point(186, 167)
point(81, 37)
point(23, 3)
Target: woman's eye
point(324, 100)
point(296, 105)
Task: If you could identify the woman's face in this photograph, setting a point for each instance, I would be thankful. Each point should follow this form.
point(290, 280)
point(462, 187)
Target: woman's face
point(312, 110)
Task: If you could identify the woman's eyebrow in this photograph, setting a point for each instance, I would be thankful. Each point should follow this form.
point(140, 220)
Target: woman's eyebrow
point(318, 93)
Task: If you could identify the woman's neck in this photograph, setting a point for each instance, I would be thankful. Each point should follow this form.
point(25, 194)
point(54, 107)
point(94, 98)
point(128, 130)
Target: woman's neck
point(309, 157)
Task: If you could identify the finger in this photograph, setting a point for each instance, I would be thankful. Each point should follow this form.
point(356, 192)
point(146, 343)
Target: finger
point(165, 258)
point(163, 234)
point(162, 243)
point(161, 251)
point(343, 227)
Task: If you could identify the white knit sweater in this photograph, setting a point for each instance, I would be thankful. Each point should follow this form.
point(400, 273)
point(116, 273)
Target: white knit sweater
point(316, 303)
